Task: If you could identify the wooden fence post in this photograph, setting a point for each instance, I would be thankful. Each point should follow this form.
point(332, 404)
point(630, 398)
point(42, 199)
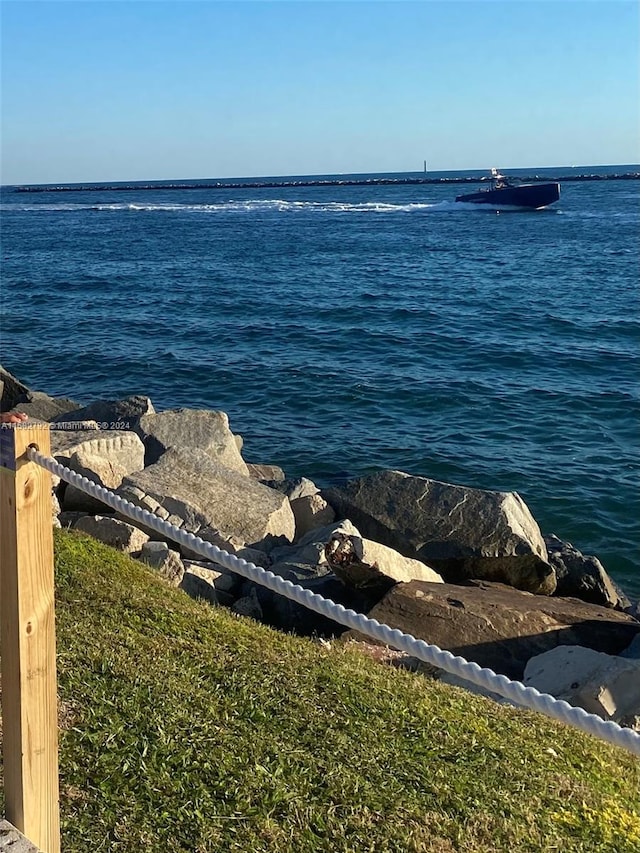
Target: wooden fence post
point(29, 696)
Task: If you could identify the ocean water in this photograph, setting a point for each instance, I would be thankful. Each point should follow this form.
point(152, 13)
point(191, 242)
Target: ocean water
point(348, 328)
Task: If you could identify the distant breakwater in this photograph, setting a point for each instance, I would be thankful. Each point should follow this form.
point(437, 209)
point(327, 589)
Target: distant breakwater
point(323, 182)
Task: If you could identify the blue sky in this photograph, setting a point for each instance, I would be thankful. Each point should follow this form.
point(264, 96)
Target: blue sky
point(142, 90)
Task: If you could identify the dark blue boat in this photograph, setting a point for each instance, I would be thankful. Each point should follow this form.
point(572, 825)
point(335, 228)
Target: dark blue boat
point(505, 193)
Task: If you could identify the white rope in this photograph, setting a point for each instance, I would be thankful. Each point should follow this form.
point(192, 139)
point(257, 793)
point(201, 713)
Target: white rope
point(514, 691)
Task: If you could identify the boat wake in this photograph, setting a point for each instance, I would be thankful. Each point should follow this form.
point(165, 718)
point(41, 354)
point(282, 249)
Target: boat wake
point(252, 206)
point(265, 206)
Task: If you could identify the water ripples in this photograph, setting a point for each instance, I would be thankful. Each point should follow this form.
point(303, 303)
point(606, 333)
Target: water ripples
point(348, 329)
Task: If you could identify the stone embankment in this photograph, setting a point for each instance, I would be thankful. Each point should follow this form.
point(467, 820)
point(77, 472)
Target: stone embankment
point(312, 182)
point(465, 569)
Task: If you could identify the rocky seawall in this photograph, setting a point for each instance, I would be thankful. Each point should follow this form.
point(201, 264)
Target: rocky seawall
point(311, 182)
point(464, 568)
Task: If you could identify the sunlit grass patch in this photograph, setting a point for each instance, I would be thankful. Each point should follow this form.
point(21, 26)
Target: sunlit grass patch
point(187, 728)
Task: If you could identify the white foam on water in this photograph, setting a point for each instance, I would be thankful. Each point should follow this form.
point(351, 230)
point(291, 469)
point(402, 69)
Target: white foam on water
point(259, 206)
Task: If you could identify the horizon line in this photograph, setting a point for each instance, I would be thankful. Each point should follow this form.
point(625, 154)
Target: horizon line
point(310, 175)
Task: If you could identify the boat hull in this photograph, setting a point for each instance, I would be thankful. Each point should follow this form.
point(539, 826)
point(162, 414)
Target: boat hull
point(528, 196)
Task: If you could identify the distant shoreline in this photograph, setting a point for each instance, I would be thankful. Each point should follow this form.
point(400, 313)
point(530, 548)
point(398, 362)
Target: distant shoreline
point(330, 182)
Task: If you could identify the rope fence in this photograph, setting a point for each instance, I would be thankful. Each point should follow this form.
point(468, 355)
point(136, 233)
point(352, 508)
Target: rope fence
point(514, 691)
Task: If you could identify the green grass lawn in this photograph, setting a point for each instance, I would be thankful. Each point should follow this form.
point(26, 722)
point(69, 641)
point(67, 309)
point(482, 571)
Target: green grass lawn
point(186, 728)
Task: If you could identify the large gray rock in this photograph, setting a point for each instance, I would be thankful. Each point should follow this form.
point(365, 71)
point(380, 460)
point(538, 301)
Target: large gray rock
point(461, 532)
point(583, 576)
point(104, 470)
point(118, 534)
point(229, 543)
point(293, 487)
point(12, 391)
point(311, 512)
point(202, 493)
point(632, 650)
point(601, 684)
point(198, 583)
point(124, 449)
point(13, 841)
point(262, 471)
point(500, 627)
point(111, 414)
point(41, 407)
point(364, 564)
point(223, 581)
point(166, 562)
point(191, 429)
